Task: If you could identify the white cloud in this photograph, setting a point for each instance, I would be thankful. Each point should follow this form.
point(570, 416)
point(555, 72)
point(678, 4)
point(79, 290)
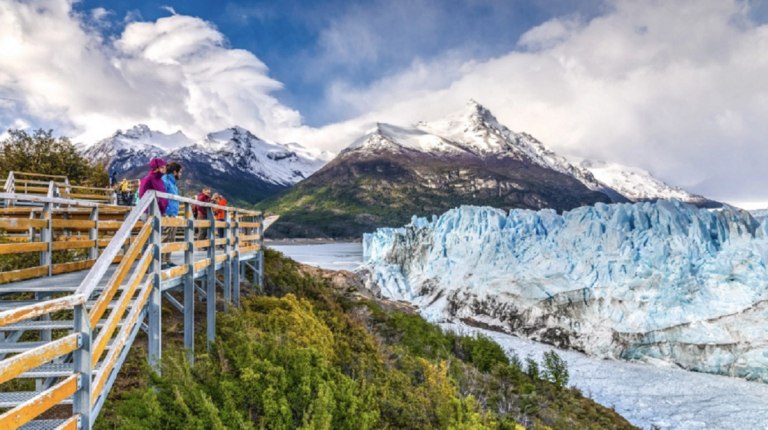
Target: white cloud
point(674, 87)
point(170, 9)
point(175, 73)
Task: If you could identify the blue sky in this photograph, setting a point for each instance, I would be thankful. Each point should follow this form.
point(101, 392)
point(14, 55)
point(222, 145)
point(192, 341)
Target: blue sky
point(296, 38)
point(674, 87)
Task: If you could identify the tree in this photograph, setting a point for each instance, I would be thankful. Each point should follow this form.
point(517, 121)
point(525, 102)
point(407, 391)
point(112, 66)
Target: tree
point(532, 368)
point(555, 369)
point(41, 152)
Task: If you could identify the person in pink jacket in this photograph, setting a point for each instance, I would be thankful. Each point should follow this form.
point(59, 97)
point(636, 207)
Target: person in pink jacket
point(154, 181)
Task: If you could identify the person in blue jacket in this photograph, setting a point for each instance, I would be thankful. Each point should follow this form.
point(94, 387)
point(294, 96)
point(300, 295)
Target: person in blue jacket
point(172, 175)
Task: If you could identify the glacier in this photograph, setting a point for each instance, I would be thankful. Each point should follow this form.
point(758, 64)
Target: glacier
point(661, 282)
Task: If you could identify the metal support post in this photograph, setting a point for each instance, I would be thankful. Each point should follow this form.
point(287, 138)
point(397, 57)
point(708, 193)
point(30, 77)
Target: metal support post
point(154, 310)
point(210, 283)
point(235, 263)
point(227, 285)
point(46, 235)
point(82, 356)
point(260, 255)
point(189, 285)
point(93, 234)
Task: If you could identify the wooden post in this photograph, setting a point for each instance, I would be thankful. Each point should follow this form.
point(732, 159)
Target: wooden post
point(154, 310)
point(189, 285)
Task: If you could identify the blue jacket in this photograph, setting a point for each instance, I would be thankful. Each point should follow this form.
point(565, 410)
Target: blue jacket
point(170, 187)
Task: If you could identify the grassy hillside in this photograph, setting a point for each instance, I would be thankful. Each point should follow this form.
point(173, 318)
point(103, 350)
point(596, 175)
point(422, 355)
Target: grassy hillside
point(312, 352)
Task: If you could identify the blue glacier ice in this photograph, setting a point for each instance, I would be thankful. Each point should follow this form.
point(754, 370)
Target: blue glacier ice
point(657, 282)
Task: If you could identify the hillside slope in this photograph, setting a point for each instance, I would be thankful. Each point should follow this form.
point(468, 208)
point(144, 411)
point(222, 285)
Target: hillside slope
point(317, 353)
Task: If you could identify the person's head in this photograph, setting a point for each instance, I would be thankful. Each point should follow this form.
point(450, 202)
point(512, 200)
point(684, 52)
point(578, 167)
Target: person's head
point(215, 196)
point(157, 165)
point(207, 191)
point(173, 168)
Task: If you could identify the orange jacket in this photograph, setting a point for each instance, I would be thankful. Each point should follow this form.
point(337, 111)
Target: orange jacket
point(220, 214)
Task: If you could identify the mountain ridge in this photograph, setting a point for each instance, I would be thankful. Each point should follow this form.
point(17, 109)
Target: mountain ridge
point(224, 160)
point(394, 172)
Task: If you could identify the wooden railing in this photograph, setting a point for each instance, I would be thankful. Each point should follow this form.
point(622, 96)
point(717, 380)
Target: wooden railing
point(107, 316)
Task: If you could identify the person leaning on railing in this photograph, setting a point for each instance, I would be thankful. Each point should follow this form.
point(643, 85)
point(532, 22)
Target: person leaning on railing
point(154, 181)
point(202, 212)
point(219, 214)
point(172, 175)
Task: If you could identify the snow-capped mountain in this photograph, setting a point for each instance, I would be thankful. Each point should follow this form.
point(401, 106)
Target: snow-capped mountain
point(134, 147)
point(640, 185)
point(472, 132)
point(392, 172)
point(662, 281)
point(237, 149)
point(475, 132)
point(232, 161)
point(478, 131)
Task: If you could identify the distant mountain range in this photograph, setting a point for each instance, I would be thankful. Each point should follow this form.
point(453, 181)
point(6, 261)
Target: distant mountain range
point(393, 173)
point(387, 175)
point(232, 161)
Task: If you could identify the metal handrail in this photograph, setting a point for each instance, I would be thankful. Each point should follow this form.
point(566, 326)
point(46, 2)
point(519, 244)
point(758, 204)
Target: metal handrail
point(102, 264)
point(87, 352)
point(167, 196)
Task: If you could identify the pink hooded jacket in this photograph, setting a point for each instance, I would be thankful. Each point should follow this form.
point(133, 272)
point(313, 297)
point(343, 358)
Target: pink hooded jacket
point(154, 181)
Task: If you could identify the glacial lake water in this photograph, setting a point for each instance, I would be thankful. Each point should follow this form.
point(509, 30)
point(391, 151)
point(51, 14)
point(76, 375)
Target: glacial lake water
point(332, 256)
point(664, 397)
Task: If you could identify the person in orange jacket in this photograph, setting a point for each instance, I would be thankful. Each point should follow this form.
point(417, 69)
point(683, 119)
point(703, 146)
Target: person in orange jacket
point(219, 214)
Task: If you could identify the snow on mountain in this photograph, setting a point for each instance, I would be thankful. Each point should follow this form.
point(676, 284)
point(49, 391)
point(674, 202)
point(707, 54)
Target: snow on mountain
point(237, 149)
point(234, 149)
point(637, 184)
point(135, 147)
point(660, 282)
point(474, 131)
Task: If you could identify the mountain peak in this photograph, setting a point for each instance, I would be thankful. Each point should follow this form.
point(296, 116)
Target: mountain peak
point(232, 133)
point(138, 131)
point(473, 110)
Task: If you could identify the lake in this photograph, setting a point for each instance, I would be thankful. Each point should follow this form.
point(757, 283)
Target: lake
point(332, 256)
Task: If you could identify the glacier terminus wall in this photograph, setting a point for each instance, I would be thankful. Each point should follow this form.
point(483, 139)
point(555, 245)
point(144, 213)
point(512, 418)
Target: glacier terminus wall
point(658, 282)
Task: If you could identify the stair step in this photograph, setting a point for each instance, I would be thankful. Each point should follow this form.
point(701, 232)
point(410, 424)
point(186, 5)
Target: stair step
point(13, 304)
point(50, 370)
point(6, 347)
point(44, 325)
point(42, 425)
point(13, 399)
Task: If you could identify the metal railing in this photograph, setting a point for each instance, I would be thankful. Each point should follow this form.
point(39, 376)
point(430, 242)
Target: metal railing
point(108, 310)
point(54, 186)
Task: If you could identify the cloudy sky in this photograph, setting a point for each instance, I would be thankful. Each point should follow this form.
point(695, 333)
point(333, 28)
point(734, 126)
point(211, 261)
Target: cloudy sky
point(677, 87)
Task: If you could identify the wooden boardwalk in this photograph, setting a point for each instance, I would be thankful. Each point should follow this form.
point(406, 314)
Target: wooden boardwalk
point(96, 276)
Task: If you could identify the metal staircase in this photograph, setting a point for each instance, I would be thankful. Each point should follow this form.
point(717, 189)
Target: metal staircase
point(69, 325)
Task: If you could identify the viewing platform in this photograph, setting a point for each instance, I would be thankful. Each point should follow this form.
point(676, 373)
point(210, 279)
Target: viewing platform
point(80, 278)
